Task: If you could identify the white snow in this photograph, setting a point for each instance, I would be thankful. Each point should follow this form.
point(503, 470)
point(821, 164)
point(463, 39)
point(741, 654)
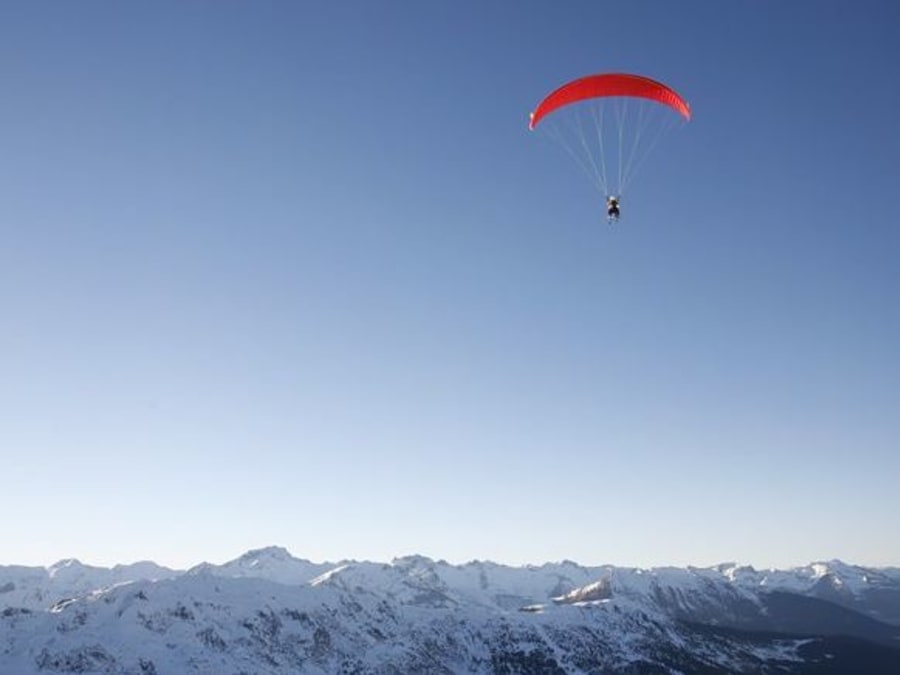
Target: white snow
point(269, 612)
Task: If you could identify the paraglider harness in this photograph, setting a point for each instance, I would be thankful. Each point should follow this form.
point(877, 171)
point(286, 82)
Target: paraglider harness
point(612, 208)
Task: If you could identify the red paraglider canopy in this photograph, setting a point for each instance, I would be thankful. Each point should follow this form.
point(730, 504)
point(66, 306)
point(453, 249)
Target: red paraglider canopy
point(610, 84)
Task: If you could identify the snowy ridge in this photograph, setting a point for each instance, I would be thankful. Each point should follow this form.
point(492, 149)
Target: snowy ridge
point(853, 578)
point(268, 612)
point(41, 587)
point(273, 563)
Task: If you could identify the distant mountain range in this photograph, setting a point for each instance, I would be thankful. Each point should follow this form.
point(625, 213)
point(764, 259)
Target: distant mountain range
point(270, 613)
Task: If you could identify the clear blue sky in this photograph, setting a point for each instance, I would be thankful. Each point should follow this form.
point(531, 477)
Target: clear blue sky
point(297, 273)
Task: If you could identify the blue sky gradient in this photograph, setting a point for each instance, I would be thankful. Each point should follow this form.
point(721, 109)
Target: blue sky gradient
point(298, 274)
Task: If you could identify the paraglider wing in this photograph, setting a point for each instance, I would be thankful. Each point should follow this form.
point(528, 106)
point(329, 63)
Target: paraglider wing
point(610, 84)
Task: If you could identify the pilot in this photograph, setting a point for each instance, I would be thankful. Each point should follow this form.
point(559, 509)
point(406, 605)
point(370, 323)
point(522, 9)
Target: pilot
point(612, 208)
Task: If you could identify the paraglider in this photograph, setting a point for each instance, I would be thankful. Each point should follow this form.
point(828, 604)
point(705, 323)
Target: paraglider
point(612, 208)
point(609, 123)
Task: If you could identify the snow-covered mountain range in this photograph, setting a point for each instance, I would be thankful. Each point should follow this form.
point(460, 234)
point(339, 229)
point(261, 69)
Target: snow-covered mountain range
point(270, 613)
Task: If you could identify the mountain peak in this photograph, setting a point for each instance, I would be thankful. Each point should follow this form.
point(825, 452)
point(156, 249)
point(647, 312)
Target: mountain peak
point(65, 562)
point(258, 555)
point(66, 566)
point(413, 561)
